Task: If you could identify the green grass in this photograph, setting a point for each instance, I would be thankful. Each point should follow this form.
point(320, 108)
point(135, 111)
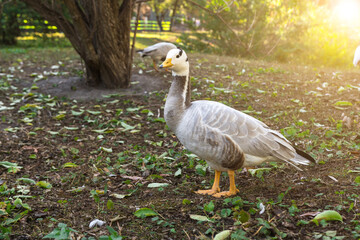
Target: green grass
point(144, 39)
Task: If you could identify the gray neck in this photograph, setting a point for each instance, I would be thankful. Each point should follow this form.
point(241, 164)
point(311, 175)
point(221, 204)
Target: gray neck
point(178, 99)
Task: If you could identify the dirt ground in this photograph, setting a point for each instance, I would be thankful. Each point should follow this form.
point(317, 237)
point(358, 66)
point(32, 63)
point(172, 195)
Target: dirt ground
point(100, 149)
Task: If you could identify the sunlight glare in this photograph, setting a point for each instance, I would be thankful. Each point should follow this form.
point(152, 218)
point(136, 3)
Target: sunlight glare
point(348, 11)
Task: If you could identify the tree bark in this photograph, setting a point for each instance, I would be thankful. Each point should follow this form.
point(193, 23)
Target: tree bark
point(99, 31)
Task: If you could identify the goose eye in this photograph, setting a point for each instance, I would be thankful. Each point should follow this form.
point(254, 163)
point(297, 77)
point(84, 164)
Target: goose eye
point(177, 56)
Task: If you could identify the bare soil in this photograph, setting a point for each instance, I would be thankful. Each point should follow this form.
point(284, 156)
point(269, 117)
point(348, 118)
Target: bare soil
point(293, 98)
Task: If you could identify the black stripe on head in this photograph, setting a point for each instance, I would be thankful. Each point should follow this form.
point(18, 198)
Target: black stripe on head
point(187, 59)
point(180, 53)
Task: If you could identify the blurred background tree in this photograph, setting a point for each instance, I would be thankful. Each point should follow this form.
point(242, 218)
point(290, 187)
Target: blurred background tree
point(164, 8)
point(309, 31)
point(315, 32)
point(12, 14)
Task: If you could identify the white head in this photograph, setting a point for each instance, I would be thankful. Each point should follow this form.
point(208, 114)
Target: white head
point(177, 61)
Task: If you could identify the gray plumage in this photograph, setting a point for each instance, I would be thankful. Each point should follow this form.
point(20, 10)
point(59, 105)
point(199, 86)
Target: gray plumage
point(157, 51)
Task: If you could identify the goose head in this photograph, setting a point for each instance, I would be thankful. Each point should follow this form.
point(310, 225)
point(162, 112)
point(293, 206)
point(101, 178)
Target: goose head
point(177, 61)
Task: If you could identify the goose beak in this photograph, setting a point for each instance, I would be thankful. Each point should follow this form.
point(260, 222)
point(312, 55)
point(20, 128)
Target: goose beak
point(166, 64)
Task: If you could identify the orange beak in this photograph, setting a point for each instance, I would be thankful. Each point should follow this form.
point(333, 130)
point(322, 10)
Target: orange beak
point(166, 64)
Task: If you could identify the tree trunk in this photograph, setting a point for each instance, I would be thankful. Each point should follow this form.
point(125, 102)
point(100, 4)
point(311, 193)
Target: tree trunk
point(99, 31)
point(158, 17)
point(173, 14)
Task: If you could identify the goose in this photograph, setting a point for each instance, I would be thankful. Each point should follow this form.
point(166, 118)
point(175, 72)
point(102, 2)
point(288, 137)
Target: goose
point(157, 52)
point(356, 60)
point(223, 136)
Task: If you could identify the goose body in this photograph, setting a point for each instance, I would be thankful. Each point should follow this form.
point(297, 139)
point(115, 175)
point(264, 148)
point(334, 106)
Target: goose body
point(157, 51)
point(356, 60)
point(229, 139)
point(223, 136)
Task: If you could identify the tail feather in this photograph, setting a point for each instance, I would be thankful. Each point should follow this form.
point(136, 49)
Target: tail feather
point(301, 158)
point(305, 156)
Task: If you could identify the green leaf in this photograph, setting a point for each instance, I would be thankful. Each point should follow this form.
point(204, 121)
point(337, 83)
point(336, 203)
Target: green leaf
point(242, 216)
point(328, 215)
point(222, 235)
point(99, 130)
point(199, 218)
point(178, 172)
point(3, 212)
point(44, 184)
point(225, 212)
point(357, 179)
point(255, 171)
point(209, 207)
point(162, 120)
point(59, 117)
point(133, 109)
point(77, 189)
point(76, 113)
point(69, 165)
point(157, 185)
point(145, 212)
point(71, 128)
point(27, 180)
point(93, 112)
point(53, 133)
point(62, 232)
point(110, 204)
point(12, 167)
point(119, 196)
point(127, 126)
point(18, 201)
point(343, 103)
point(108, 150)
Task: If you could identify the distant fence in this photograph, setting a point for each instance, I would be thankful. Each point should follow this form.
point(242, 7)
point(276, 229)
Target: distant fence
point(148, 25)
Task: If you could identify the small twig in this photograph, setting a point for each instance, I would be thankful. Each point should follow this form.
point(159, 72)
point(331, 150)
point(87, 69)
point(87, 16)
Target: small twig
point(262, 227)
point(251, 41)
point(134, 38)
point(161, 215)
point(186, 234)
point(251, 25)
point(228, 5)
point(273, 47)
point(120, 228)
point(277, 231)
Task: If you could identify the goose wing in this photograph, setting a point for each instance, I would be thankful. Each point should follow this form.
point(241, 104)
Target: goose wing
point(158, 49)
point(252, 136)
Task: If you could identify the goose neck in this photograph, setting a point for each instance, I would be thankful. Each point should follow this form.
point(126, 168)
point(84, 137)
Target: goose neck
point(177, 100)
point(180, 91)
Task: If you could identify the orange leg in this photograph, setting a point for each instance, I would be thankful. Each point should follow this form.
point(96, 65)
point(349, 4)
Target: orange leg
point(233, 190)
point(155, 66)
point(215, 188)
